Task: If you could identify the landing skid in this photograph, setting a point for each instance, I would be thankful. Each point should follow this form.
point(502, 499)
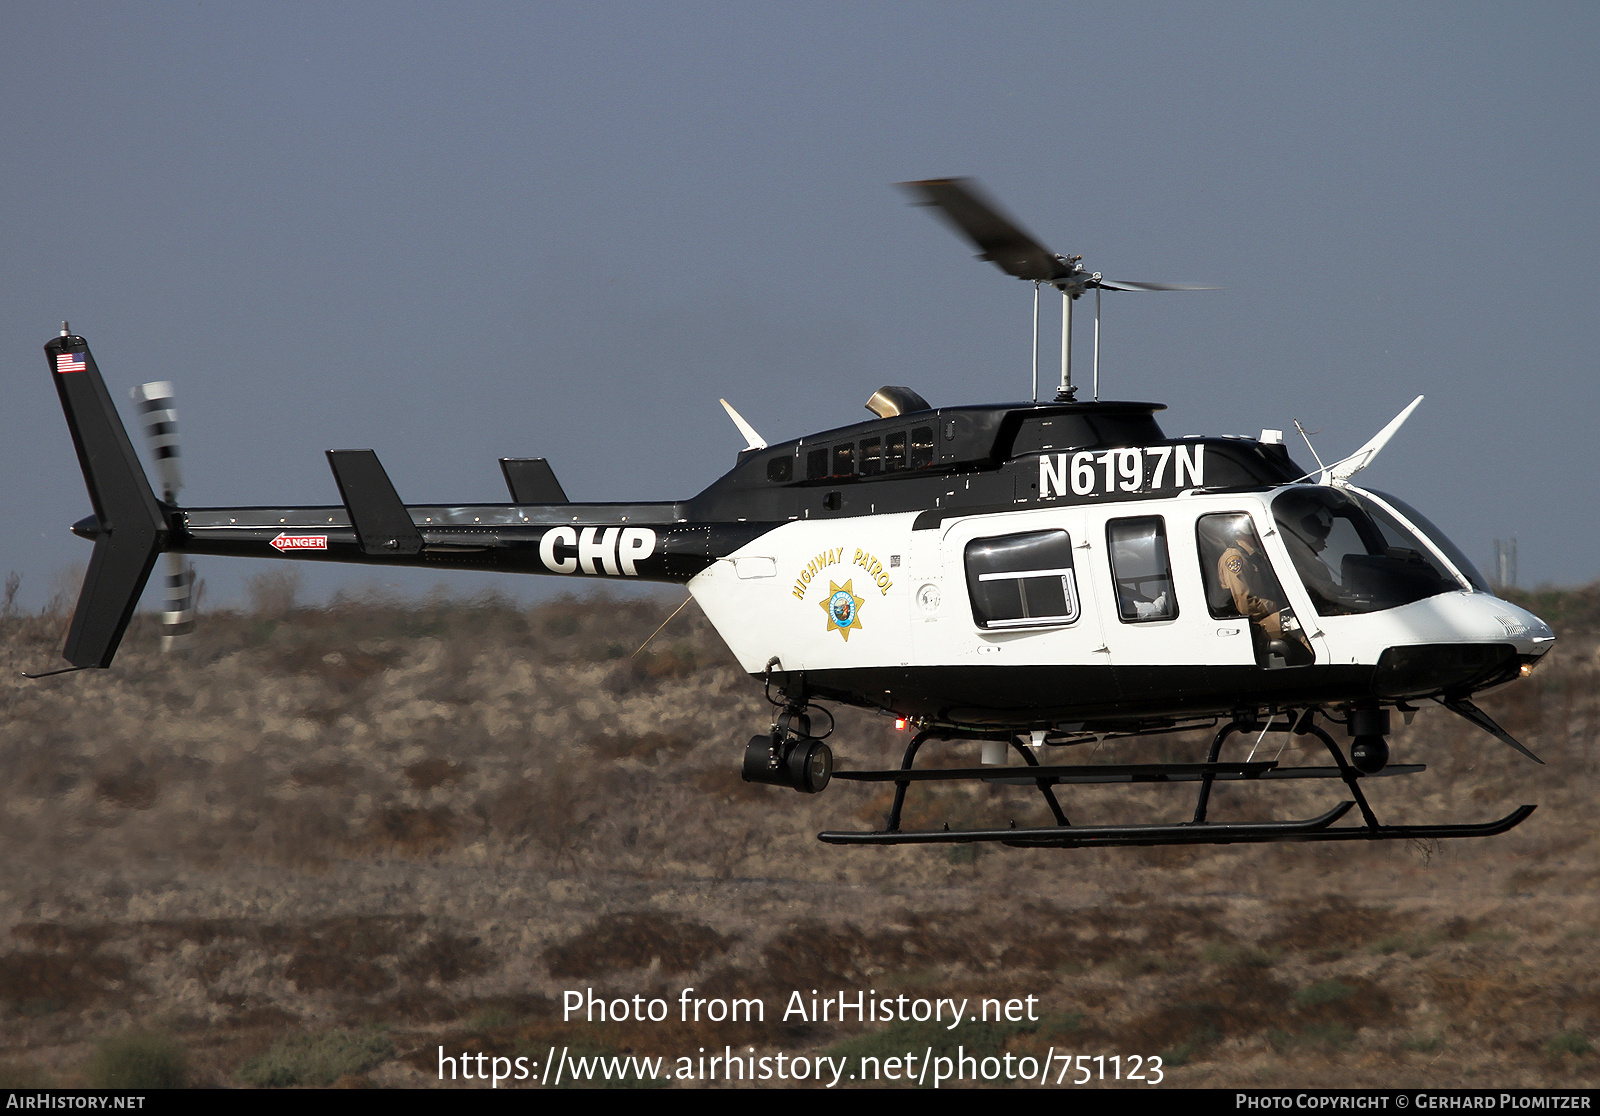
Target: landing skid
point(1199, 831)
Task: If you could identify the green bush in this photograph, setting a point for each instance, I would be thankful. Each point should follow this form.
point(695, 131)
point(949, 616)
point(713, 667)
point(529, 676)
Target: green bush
point(137, 1060)
point(1569, 1042)
point(1324, 992)
point(317, 1059)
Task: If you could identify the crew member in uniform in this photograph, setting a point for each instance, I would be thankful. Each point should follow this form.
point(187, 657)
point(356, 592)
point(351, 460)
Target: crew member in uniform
point(1245, 572)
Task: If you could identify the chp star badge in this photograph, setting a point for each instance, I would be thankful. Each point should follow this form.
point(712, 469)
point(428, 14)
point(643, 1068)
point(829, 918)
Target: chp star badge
point(843, 608)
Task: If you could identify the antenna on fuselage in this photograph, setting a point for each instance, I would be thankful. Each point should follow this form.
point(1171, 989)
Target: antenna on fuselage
point(1004, 243)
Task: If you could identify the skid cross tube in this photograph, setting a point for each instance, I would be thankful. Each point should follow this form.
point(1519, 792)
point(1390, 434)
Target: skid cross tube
point(901, 785)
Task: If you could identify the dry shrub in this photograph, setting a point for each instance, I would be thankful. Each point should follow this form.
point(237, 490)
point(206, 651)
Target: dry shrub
point(62, 936)
point(653, 667)
point(364, 935)
point(346, 669)
point(450, 679)
point(42, 772)
point(132, 788)
point(643, 747)
point(1140, 940)
point(273, 593)
point(1238, 1005)
point(302, 833)
point(435, 771)
point(326, 971)
point(562, 618)
point(323, 775)
point(635, 940)
point(725, 783)
point(41, 983)
point(547, 809)
point(813, 951)
point(413, 830)
point(1334, 925)
point(447, 957)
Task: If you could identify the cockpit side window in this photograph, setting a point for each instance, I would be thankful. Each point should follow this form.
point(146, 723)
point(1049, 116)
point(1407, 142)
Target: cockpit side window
point(1142, 569)
point(781, 468)
point(1241, 585)
point(1351, 562)
point(921, 447)
point(1022, 581)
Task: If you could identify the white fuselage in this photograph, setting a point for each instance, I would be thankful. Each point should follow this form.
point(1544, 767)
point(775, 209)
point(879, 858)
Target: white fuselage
point(902, 598)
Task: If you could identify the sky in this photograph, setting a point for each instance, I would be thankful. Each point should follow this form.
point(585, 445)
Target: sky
point(456, 232)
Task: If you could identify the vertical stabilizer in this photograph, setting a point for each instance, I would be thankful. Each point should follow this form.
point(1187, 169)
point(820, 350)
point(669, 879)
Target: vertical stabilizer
point(133, 527)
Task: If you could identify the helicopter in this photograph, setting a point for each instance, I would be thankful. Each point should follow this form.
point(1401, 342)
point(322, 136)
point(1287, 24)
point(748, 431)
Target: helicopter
point(1022, 576)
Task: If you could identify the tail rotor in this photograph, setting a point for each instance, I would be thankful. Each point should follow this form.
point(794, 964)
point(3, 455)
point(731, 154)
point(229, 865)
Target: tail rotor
point(160, 420)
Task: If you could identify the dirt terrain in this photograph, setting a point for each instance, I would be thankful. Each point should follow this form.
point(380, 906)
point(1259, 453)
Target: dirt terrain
point(321, 844)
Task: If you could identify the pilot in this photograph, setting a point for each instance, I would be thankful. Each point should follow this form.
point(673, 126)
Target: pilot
point(1306, 538)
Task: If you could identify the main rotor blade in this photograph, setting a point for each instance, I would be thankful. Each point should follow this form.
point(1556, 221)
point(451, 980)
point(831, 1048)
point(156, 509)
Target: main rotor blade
point(1128, 285)
point(999, 239)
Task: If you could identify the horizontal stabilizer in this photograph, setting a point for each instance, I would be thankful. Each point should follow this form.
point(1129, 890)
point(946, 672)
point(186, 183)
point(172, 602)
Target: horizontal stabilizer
point(383, 526)
point(532, 481)
point(132, 529)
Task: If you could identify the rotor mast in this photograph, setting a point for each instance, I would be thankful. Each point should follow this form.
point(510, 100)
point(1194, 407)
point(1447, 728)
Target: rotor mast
point(1004, 243)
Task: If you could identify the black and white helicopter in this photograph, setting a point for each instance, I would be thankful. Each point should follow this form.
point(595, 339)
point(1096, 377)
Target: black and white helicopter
point(1023, 576)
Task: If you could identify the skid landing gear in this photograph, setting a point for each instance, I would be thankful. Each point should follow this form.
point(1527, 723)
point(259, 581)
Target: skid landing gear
point(1200, 830)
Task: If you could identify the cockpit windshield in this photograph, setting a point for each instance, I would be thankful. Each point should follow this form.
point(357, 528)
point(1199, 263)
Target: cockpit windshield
point(1353, 555)
point(1437, 537)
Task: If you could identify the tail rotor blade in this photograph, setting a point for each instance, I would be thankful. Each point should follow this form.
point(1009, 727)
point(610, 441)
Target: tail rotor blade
point(177, 620)
point(160, 419)
point(159, 416)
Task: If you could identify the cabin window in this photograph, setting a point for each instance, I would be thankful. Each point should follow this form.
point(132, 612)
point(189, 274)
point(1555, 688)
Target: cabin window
point(780, 469)
point(844, 459)
point(817, 464)
point(871, 456)
point(1022, 581)
point(921, 447)
point(1142, 569)
point(897, 451)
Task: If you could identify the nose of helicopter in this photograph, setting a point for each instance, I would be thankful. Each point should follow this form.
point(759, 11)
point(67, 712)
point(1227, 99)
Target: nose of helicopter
point(1470, 618)
point(1460, 641)
point(1529, 634)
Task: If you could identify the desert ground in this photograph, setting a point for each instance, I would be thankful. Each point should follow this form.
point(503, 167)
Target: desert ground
point(321, 844)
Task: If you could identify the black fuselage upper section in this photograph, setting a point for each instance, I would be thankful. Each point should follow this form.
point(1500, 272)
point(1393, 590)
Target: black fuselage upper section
point(971, 459)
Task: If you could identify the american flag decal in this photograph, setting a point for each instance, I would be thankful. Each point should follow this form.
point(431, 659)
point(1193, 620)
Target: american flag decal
point(71, 362)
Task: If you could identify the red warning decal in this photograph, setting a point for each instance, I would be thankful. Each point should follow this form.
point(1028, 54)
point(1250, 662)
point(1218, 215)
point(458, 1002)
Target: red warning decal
point(301, 542)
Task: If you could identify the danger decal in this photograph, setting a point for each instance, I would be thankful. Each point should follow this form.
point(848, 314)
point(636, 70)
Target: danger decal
point(300, 542)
